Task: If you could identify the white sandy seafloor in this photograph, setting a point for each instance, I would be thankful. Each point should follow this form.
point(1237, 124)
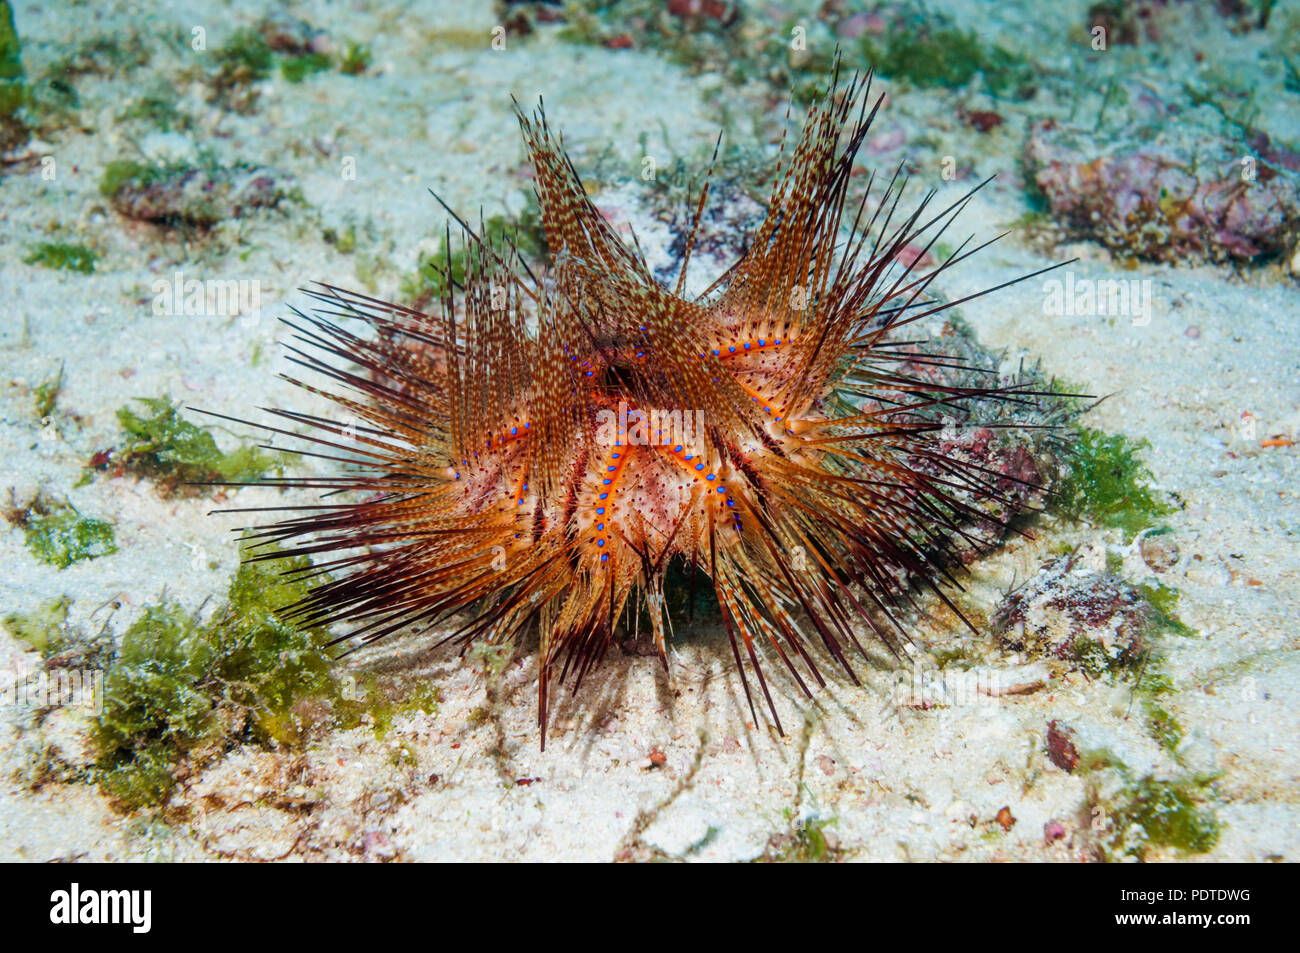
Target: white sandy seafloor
point(891, 782)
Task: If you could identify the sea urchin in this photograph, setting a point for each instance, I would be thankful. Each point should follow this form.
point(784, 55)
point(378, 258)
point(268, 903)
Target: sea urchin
point(536, 454)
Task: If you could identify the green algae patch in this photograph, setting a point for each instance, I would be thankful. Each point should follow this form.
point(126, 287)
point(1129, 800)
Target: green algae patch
point(297, 68)
point(1168, 814)
point(1146, 812)
point(156, 707)
point(1153, 685)
point(379, 700)
point(63, 257)
point(63, 537)
point(355, 59)
point(434, 274)
point(806, 842)
point(44, 630)
point(13, 88)
point(344, 242)
point(121, 173)
point(170, 450)
point(423, 699)
point(107, 54)
point(184, 690)
point(438, 272)
point(243, 61)
point(948, 57)
point(46, 394)
point(1163, 601)
point(246, 52)
point(253, 53)
point(1139, 813)
point(1163, 727)
point(47, 630)
point(1107, 484)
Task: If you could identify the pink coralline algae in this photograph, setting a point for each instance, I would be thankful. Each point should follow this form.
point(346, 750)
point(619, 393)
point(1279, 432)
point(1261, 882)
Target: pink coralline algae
point(1173, 197)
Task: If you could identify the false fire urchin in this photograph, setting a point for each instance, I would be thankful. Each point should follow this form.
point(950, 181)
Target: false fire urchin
point(538, 452)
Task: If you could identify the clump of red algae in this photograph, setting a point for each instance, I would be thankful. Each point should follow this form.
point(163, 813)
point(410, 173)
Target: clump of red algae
point(1170, 192)
point(1024, 462)
point(1062, 746)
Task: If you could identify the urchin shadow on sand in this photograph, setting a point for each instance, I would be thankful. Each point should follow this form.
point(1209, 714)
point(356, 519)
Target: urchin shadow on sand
point(702, 693)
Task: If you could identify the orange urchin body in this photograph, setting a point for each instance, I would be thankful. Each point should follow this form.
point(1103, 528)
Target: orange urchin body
point(540, 450)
